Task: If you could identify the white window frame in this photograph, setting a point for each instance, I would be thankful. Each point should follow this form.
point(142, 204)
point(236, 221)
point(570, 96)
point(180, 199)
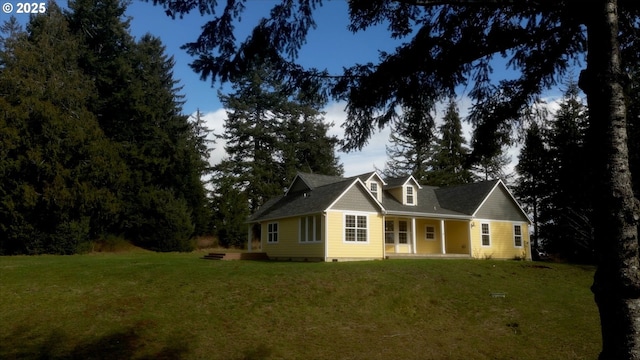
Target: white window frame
point(355, 228)
point(374, 192)
point(410, 188)
point(427, 232)
point(388, 232)
point(404, 232)
point(273, 235)
point(482, 234)
point(516, 235)
point(303, 229)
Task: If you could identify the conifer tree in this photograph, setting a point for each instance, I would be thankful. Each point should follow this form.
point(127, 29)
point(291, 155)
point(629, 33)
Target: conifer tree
point(138, 106)
point(449, 164)
point(567, 217)
point(269, 135)
point(533, 177)
point(410, 150)
point(60, 174)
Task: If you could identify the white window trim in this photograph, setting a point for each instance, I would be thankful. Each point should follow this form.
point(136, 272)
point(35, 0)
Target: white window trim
point(489, 234)
point(427, 232)
point(375, 193)
point(392, 232)
point(277, 232)
point(344, 227)
point(521, 237)
point(303, 230)
point(413, 195)
point(407, 231)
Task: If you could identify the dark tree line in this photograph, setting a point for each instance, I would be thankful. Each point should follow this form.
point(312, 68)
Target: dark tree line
point(555, 180)
point(93, 142)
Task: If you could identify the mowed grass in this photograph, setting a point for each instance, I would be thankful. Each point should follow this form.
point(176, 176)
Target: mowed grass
point(178, 306)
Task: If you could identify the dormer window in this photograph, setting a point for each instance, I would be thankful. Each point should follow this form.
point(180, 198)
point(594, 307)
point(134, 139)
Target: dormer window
point(374, 189)
point(410, 195)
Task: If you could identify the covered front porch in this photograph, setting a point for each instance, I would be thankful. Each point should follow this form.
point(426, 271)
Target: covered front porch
point(426, 236)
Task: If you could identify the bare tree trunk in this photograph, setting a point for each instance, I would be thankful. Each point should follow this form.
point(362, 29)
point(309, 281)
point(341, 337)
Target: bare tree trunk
point(616, 284)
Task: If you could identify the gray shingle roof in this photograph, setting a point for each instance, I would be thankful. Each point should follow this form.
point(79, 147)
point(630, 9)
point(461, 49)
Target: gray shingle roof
point(395, 182)
point(314, 200)
point(316, 180)
point(465, 198)
point(458, 201)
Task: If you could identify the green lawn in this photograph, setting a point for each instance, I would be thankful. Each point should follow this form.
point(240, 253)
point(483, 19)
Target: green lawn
point(178, 306)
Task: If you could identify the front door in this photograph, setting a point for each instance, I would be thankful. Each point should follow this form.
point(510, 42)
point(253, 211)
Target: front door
point(396, 236)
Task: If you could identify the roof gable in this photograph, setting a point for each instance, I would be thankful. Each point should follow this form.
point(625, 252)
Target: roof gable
point(501, 204)
point(356, 198)
point(372, 176)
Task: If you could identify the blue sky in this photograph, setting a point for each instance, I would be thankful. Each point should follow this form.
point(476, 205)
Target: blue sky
point(329, 46)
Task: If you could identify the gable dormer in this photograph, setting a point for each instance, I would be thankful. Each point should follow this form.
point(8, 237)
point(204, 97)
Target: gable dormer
point(307, 182)
point(404, 189)
point(298, 184)
point(374, 184)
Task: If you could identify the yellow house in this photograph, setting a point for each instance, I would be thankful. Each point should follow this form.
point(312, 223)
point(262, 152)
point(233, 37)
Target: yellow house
point(331, 218)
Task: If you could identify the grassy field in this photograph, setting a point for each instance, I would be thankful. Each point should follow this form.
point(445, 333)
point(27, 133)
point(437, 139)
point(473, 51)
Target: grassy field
point(178, 306)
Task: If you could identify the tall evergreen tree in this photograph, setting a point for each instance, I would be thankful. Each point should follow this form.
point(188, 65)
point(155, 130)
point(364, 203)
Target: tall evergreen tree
point(138, 106)
point(533, 177)
point(567, 217)
point(449, 164)
point(307, 147)
point(492, 166)
point(254, 118)
point(410, 150)
point(59, 174)
point(270, 134)
point(106, 43)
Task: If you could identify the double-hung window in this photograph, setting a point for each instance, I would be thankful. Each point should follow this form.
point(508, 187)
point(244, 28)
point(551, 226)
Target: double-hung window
point(374, 189)
point(410, 199)
point(272, 232)
point(389, 232)
point(517, 235)
point(355, 228)
point(485, 234)
point(403, 232)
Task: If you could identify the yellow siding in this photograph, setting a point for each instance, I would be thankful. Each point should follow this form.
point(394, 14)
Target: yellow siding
point(502, 241)
point(424, 246)
point(339, 249)
point(457, 234)
point(288, 245)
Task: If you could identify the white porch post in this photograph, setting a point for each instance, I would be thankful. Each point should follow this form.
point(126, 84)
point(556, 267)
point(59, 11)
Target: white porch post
point(249, 238)
point(384, 236)
point(442, 242)
point(413, 235)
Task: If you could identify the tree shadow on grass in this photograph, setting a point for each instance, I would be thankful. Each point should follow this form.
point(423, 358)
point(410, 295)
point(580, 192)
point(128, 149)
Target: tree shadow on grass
point(125, 344)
